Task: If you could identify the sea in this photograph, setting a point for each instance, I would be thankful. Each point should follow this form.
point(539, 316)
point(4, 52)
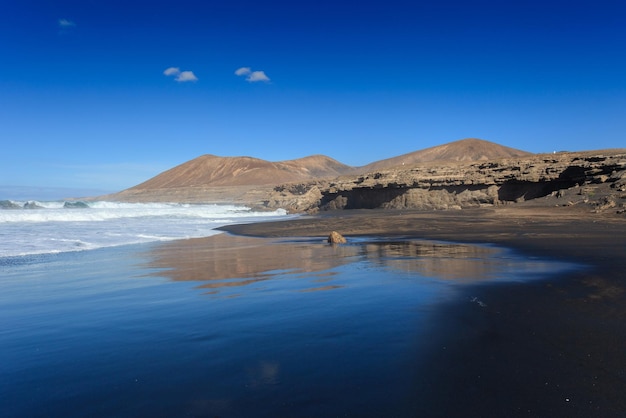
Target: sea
point(125, 310)
point(46, 227)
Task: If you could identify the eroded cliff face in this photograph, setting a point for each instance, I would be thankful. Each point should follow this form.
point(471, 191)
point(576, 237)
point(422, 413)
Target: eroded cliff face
point(573, 176)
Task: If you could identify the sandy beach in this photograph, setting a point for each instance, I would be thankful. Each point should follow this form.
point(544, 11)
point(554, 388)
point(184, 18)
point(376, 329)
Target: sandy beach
point(547, 348)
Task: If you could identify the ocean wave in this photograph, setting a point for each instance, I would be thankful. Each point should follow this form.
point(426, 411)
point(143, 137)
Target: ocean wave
point(101, 211)
point(56, 228)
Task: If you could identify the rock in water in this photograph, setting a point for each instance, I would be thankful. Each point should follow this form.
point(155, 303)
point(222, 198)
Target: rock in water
point(75, 205)
point(7, 204)
point(32, 205)
point(336, 238)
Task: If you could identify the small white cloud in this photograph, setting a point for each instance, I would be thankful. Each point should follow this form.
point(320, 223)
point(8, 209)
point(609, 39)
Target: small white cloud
point(64, 23)
point(243, 71)
point(257, 76)
point(172, 71)
point(180, 76)
point(252, 76)
point(186, 76)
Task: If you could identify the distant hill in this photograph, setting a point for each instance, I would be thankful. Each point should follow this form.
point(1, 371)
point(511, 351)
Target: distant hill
point(213, 178)
point(464, 150)
point(213, 171)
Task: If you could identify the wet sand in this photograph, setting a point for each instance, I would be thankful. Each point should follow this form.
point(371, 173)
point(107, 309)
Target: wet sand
point(555, 347)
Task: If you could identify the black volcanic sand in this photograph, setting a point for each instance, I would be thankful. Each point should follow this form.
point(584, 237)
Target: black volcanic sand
point(549, 348)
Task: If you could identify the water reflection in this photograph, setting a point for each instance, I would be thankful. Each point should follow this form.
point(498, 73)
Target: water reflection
point(441, 260)
point(225, 261)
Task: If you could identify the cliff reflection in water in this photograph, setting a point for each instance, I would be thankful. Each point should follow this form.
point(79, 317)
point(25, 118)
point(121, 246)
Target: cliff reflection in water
point(440, 260)
point(224, 261)
point(228, 261)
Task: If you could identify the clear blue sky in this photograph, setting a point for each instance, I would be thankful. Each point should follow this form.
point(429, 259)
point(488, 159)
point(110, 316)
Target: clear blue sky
point(104, 94)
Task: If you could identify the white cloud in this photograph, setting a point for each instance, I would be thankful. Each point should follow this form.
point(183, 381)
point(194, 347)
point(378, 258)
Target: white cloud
point(257, 76)
point(243, 71)
point(252, 76)
point(186, 76)
point(172, 71)
point(64, 23)
point(180, 76)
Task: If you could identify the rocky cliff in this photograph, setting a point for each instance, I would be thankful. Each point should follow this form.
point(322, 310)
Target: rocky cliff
point(596, 179)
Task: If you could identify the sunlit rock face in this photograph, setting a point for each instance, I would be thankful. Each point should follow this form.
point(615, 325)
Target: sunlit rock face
point(336, 238)
point(590, 178)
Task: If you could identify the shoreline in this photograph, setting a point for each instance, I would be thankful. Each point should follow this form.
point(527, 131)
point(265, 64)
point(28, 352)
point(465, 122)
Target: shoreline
point(552, 347)
point(558, 232)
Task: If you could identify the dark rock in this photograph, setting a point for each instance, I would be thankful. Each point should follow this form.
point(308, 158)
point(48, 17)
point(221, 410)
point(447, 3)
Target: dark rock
point(75, 205)
point(32, 205)
point(605, 203)
point(7, 204)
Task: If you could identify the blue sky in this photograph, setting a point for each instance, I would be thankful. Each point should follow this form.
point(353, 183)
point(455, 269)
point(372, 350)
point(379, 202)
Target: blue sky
point(104, 94)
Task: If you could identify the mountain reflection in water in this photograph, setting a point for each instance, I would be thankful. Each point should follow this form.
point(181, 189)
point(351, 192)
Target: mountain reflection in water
point(225, 261)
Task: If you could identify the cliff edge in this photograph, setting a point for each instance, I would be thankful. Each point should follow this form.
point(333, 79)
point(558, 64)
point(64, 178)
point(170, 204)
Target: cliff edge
point(595, 180)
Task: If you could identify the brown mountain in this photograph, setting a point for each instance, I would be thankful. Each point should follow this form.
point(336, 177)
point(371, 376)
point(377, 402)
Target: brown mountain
point(213, 171)
point(210, 178)
point(464, 150)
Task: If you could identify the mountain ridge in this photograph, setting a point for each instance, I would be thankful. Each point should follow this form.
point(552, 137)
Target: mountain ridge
point(212, 170)
point(463, 150)
point(209, 170)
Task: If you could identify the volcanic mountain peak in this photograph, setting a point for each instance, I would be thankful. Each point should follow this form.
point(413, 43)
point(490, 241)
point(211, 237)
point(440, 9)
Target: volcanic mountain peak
point(320, 166)
point(211, 170)
point(464, 150)
point(214, 171)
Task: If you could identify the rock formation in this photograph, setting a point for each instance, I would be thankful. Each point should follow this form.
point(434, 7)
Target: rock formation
point(458, 185)
point(336, 238)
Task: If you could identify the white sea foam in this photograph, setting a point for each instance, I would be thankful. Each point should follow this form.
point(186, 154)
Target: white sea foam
point(54, 228)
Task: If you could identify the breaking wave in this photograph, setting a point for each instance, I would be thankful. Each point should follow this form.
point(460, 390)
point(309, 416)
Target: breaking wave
point(52, 227)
